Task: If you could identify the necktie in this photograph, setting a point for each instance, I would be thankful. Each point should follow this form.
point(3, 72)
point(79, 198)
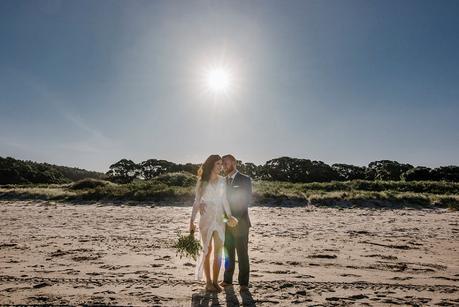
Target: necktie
point(228, 180)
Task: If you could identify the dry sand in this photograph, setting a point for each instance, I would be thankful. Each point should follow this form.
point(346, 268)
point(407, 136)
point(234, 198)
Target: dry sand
point(111, 254)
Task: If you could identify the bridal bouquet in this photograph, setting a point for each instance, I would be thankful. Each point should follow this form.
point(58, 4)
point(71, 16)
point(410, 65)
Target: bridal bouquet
point(187, 245)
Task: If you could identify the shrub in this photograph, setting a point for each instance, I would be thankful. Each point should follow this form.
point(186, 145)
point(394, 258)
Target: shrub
point(181, 179)
point(88, 183)
point(418, 173)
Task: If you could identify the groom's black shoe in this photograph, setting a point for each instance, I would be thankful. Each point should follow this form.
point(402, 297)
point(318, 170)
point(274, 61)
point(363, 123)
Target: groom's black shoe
point(225, 284)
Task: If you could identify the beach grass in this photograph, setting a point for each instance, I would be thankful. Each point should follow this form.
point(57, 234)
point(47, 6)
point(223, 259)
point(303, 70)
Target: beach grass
point(179, 187)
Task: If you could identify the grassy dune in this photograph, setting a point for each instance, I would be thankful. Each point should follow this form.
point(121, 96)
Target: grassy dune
point(179, 188)
point(364, 193)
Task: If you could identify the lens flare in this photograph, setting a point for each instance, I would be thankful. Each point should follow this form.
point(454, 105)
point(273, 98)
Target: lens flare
point(218, 80)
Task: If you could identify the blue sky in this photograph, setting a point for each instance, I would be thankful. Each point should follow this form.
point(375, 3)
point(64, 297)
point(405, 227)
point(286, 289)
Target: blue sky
point(86, 83)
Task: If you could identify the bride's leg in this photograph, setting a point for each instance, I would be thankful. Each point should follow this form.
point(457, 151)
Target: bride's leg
point(209, 285)
point(218, 246)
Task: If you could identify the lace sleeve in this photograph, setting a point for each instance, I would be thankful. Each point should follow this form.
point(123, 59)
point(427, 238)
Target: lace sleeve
point(197, 199)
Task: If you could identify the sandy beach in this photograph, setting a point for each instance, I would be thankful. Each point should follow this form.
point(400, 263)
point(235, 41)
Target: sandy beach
point(55, 253)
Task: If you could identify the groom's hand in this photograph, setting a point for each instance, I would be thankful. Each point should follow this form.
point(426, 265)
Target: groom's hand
point(202, 207)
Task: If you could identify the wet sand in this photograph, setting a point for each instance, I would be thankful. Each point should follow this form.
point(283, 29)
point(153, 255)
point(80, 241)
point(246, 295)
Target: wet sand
point(53, 253)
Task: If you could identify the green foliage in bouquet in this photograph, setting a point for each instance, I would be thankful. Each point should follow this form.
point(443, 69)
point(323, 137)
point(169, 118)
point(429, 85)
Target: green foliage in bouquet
point(187, 246)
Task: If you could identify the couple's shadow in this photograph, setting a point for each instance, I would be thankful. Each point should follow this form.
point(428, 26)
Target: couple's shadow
point(204, 298)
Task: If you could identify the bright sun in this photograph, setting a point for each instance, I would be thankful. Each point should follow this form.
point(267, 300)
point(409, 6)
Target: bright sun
point(218, 80)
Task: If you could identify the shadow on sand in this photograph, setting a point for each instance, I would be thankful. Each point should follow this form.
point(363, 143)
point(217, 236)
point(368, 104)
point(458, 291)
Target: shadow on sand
point(203, 298)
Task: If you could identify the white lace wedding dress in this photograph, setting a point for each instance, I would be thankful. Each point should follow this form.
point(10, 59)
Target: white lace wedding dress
point(214, 195)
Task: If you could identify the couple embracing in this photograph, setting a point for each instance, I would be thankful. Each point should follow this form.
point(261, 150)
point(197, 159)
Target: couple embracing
point(222, 202)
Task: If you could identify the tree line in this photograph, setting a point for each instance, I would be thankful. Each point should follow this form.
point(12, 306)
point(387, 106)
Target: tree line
point(292, 170)
point(14, 171)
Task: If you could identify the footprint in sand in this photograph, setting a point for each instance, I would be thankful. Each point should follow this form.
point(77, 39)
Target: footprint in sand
point(323, 256)
point(350, 275)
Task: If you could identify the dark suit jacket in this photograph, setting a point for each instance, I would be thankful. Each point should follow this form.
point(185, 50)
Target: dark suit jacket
point(239, 195)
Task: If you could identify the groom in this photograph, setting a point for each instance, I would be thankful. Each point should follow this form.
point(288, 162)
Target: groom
point(239, 194)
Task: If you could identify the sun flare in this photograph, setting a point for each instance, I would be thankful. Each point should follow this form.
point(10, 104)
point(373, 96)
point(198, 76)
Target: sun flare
point(218, 80)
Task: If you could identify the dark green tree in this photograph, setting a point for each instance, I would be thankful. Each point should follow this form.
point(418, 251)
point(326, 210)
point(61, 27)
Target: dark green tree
point(418, 173)
point(387, 170)
point(349, 172)
point(250, 169)
point(123, 171)
point(152, 168)
point(447, 173)
point(298, 170)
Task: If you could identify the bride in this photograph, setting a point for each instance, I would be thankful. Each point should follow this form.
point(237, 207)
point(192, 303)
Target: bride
point(211, 189)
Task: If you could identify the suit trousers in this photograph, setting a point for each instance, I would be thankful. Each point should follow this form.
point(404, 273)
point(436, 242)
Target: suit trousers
point(236, 241)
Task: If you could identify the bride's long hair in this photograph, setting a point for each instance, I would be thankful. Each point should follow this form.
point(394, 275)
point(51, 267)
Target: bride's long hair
point(205, 171)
